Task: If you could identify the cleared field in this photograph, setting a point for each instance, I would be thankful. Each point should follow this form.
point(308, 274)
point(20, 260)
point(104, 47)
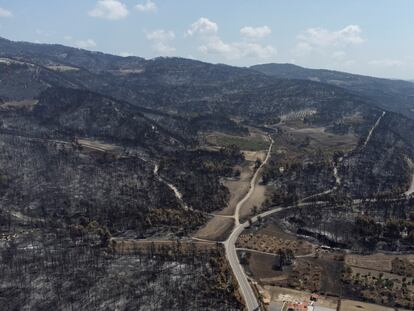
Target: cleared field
point(131, 246)
point(352, 305)
point(9, 61)
point(280, 294)
point(96, 145)
point(271, 244)
point(260, 266)
point(372, 275)
point(378, 262)
point(27, 103)
point(257, 199)
point(275, 231)
point(252, 142)
point(238, 187)
point(299, 139)
point(217, 229)
point(62, 68)
point(330, 140)
point(127, 71)
point(254, 155)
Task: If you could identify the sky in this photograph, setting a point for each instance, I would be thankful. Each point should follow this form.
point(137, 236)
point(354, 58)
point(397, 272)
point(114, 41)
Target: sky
point(371, 37)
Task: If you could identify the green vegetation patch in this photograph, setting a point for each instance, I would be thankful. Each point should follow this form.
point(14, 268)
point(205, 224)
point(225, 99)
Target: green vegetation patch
point(253, 143)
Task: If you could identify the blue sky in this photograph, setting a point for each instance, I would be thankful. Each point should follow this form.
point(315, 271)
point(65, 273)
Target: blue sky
point(374, 37)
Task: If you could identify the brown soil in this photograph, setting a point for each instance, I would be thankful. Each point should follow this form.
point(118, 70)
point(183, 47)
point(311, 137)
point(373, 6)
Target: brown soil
point(217, 229)
point(379, 262)
point(131, 246)
point(352, 305)
point(286, 294)
point(238, 188)
point(270, 244)
point(260, 266)
point(270, 238)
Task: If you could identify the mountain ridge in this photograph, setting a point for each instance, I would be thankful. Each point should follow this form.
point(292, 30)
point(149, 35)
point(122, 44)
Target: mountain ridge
point(393, 95)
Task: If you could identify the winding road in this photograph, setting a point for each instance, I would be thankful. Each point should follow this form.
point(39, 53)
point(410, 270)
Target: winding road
point(246, 290)
point(252, 185)
point(230, 244)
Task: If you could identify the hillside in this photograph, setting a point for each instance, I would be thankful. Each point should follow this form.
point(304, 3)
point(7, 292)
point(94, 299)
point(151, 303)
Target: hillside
point(393, 95)
point(171, 85)
point(101, 154)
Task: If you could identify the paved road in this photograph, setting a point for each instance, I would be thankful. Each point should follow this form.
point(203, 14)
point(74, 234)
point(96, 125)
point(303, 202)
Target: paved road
point(230, 244)
point(252, 185)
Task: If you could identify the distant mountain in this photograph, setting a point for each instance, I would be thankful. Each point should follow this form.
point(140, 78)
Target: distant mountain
point(55, 54)
point(170, 85)
point(393, 95)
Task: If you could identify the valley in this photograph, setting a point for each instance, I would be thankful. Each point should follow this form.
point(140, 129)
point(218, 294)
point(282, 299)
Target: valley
point(184, 185)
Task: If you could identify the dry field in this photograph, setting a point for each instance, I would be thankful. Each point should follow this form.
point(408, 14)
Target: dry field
point(271, 244)
point(298, 139)
point(96, 145)
point(257, 198)
point(371, 275)
point(352, 305)
point(254, 142)
point(260, 267)
point(27, 104)
point(131, 246)
point(62, 68)
point(238, 187)
point(280, 294)
point(217, 229)
point(378, 262)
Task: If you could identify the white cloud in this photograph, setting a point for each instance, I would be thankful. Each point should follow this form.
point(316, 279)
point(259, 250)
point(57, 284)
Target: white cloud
point(257, 50)
point(149, 6)
point(237, 50)
point(125, 54)
point(321, 37)
point(161, 41)
point(5, 13)
point(255, 32)
point(44, 33)
point(202, 26)
point(303, 48)
point(386, 62)
point(338, 55)
point(109, 9)
point(85, 44)
point(211, 43)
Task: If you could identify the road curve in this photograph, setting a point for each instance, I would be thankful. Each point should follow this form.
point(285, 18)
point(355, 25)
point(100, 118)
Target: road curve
point(230, 244)
point(238, 271)
point(252, 185)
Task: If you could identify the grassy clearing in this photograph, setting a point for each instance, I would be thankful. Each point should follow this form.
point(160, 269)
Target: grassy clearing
point(351, 305)
point(62, 68)
point(27, 103)
point(381, 262)
point(96, 145)
point(253, 143)
point(301, 141)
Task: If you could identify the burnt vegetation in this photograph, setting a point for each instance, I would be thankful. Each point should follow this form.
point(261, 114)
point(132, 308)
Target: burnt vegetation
point(95, 147)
